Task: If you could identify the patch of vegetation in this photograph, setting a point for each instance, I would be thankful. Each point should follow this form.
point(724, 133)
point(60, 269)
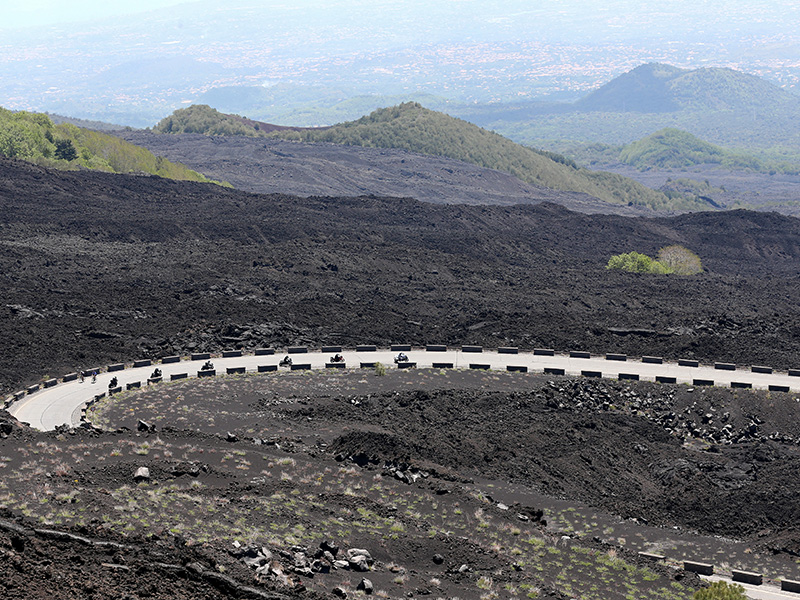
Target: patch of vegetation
point(411, 127)
point(720, 590)
point(200, 118)
point(694, 187)
point(671, 260)
point(672, 148)
point(34, 137)
point(636, 262)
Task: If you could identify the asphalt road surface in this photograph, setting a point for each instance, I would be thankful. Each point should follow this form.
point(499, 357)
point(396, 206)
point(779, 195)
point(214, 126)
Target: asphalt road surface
point(61, 404)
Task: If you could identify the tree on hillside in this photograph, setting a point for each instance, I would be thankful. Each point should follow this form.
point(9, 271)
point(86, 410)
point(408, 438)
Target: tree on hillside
point(23, 140)
point(65, 150)
point(680, 260)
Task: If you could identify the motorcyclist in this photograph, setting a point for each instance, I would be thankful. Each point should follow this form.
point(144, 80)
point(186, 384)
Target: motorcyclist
point(402, 357)
point(337, 358)
point(287, 361)
point(113, 383)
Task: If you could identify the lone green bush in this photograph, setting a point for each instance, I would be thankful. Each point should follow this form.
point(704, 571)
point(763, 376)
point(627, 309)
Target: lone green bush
point(720, 590)
point(636, 262)
point(671, 259)
point(380, 369)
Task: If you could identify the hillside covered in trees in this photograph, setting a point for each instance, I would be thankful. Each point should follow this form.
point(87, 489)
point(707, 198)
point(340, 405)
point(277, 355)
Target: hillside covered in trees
point(34, 137)
point(671, 148)
point(411, 127)
point(201, 118)
point(657, 87)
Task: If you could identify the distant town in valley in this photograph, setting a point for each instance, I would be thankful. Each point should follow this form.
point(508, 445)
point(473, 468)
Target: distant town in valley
point(135, 72)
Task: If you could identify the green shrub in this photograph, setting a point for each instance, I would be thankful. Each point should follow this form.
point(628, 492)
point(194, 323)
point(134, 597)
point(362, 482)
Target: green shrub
point(636, 262)
point(380, 369)
point(671, 259)
point(720, 590)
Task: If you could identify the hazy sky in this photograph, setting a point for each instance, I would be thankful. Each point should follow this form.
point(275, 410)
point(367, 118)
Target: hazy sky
point(32, 13)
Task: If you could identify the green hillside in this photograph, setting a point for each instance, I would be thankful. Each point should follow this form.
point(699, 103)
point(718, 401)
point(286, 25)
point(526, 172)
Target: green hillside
point(411, 127)
point(34, 137)
point(200, 118)
point(672, 148)
point(727, 89)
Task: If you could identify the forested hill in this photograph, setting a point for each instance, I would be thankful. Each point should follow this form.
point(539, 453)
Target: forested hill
point(656, 87)
point(34, 137)
point(201, 118)
point(411, 127)
point(672, 148)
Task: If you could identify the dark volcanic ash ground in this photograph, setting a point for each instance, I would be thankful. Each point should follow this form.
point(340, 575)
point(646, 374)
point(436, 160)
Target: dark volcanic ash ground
point(267, 166)
point(96, 268)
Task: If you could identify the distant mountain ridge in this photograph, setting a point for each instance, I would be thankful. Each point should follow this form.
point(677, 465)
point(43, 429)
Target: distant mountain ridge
point(720, 105)
point(644, 89)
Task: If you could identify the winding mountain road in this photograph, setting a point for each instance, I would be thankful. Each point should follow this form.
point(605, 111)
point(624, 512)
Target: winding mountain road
point(61, 404)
